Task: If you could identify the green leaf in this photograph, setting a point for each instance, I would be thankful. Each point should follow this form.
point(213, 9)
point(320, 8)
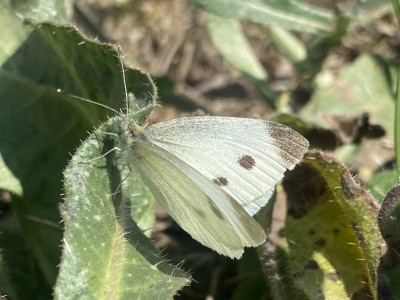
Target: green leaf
point(288, 44)
point(106, 255)
point(354, 91)
point(396, 7)
point(11, 39)
point(367, 10)
point(332, 231)
point(7, 286)
point(20, 272)
point(381, 183)
point(284, 13)
point(40, 127)
point(229, 39)
point(41, 10)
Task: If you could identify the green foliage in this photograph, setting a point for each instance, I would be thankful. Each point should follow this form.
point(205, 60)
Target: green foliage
point(341, 253)
point(286, 14)
point(227, 32)
point(355, 91)
point(40, 128)
point(107, 212)
point(380, 184)
point(94, 241)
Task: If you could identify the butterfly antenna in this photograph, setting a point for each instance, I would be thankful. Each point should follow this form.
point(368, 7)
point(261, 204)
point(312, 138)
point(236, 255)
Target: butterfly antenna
point(87, 100)
point(124, 79)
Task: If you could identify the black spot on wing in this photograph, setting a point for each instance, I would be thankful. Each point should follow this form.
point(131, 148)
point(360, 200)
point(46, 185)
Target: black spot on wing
point(247, 162)
point(221, 181)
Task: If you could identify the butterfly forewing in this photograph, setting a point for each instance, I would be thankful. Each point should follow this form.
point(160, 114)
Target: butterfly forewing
point(243, 157)
point(197, 204)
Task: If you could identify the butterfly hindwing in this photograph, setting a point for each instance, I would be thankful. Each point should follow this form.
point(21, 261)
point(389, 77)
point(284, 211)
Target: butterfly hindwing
point(198, 205)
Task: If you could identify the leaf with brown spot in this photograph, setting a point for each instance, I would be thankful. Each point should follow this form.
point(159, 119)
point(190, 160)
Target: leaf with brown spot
point(333, 221)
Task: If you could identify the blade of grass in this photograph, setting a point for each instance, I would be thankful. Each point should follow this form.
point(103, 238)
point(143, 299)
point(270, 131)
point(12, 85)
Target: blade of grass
point(397, 125)
point(396, 7)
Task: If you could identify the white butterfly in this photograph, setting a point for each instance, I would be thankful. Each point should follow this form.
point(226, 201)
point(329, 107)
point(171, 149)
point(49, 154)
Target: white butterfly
point(212, 174)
